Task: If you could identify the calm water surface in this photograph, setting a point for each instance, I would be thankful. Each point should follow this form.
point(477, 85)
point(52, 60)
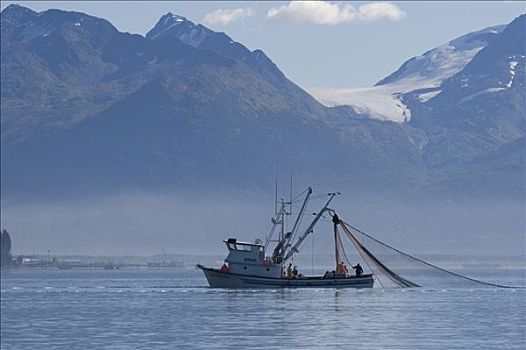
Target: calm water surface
point(171, 309)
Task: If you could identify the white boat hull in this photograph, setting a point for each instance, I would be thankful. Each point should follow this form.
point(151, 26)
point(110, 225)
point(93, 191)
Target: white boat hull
point(217, 279)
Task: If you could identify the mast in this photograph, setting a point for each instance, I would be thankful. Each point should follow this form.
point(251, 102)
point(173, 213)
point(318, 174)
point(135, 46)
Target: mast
point(276, 195)
point(276, 221)
point(290, 235)
point(290, 201)
point(285, 238)
point(338, 247)
point(336, 250)
point(300, 213)
point(283, 212)
point(309, 229)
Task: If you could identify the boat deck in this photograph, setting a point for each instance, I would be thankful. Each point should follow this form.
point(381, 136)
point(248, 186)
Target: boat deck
point(218, 279)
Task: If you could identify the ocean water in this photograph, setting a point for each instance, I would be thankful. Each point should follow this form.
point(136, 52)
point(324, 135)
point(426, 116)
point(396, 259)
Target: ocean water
point(173, 309)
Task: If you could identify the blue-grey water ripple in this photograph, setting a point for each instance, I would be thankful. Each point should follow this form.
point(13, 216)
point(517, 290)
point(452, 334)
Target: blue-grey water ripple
point(173, 309)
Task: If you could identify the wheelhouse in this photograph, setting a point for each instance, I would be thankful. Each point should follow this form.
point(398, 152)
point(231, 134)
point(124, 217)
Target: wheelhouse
point(233, 245)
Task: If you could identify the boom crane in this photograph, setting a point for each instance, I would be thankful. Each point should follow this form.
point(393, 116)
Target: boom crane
point(309, 229)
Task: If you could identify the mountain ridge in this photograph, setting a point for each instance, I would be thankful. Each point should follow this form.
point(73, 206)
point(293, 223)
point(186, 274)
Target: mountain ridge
point(167, 111)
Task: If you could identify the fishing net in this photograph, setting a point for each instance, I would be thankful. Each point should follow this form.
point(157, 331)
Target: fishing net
point(394, 268)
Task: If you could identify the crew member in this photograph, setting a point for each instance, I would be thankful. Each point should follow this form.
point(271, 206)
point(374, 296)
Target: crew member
point(358, 270)
point(289, 271)
point(342, 269)
point(224, 268)
point(335, 219)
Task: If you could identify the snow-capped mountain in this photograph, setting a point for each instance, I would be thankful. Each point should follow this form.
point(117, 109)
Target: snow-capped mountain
point(436, 65)
point(196, 35)
point(499, 67)
point(92, 106)
point(482, 107)
point(89, 108)
point(385, 101)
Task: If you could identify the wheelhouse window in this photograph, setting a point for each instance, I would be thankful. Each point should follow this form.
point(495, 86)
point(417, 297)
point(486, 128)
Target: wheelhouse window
point(244, 247)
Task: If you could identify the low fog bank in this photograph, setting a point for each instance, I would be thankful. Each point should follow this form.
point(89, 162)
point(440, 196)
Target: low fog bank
point(151, 223)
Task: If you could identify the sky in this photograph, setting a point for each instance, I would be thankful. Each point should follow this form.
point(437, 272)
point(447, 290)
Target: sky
point(316, 44)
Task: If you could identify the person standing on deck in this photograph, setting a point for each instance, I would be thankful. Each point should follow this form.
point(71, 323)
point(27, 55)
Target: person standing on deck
point(289, 271)
point(358, 269)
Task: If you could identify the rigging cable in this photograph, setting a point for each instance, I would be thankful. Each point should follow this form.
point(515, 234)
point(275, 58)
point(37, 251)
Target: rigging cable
point(312, 257)
point(367, 255)
point(426, 263)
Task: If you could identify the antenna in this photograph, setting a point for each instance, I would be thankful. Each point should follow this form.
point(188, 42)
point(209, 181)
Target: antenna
point(290, 203)
point(276, 194)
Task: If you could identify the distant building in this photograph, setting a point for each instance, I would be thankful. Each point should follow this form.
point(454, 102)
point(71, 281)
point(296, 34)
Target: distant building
point(32, 262)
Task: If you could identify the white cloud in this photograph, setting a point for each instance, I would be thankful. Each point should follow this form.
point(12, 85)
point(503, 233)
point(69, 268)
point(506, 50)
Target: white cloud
point(224, 17)
point(380, 10)
point(330, 13)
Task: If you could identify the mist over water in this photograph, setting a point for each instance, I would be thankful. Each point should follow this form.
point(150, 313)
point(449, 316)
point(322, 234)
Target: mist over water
point(142, 223)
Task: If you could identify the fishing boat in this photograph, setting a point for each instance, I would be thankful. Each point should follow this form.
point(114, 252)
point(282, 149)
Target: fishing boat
point(248, 265)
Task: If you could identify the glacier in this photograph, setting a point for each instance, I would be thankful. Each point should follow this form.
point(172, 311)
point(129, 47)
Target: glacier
point(384, 101)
